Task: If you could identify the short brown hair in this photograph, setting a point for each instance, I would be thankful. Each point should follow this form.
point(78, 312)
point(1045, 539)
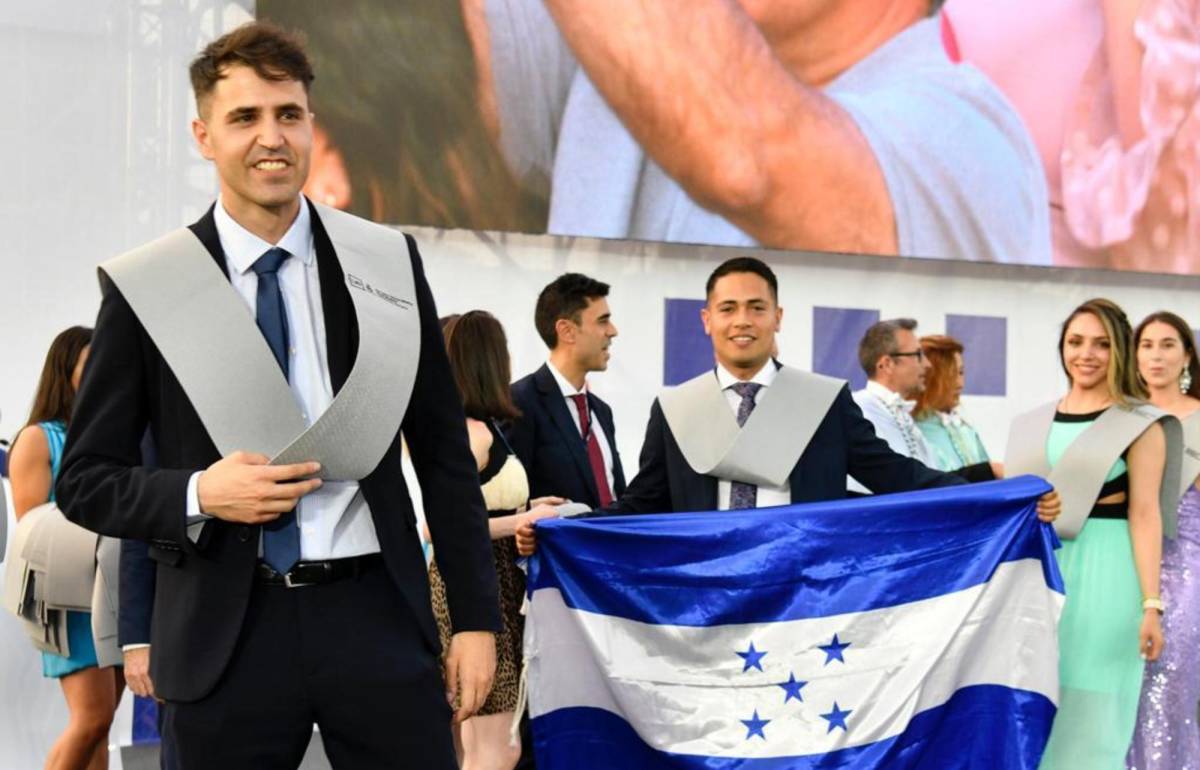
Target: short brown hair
point(478, 352)
point(567, 296)
point(879, 341)
point(273, 53)
point(1122, 379)
point(939, 381)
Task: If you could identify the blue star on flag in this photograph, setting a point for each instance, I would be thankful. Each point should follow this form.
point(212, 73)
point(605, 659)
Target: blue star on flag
point(836, 718)
point(792, 688)
point(754, 725)
point(753, 658)
point(833, 650)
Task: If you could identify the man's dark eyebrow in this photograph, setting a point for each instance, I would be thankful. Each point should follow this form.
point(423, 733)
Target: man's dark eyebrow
point(239, 112)
point(290, 106)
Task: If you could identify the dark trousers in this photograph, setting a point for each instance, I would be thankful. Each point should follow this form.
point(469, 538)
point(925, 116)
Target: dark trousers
point(346, 656)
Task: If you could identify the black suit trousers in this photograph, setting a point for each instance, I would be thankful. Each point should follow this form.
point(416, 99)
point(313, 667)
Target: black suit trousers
point(346, 656)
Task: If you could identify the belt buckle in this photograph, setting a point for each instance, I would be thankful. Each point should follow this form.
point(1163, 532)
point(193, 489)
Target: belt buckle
point(291, 582)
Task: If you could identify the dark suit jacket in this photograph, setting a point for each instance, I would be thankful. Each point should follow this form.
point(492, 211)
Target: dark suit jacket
point(844, 443)
point(203, 588)
point(546, 440)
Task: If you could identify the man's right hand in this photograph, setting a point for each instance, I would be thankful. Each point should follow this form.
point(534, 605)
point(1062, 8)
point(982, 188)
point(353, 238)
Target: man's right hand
point(243, 488)
point(137, 671)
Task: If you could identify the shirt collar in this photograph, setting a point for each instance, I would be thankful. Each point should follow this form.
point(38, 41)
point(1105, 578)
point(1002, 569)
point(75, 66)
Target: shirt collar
point(243, 247)
point(764, 376)
point(889, 396)
point(568, 390)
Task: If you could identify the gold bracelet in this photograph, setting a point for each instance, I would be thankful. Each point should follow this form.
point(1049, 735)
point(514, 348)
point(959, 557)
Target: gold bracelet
point(1154, 603)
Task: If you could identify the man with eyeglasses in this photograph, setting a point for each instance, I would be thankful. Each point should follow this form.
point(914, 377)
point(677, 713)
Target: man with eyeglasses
point(891, 356)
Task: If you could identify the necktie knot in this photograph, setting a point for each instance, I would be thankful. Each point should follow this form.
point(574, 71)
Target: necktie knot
point(270, 262)
point(746, 389)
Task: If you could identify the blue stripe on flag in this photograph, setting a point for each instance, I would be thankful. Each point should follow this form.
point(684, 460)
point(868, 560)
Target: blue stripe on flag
point(984, 726)
point(789, 563)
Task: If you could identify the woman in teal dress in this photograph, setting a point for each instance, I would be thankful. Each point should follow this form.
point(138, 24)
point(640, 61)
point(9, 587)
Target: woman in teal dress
point(1110, 624)
point(92, 693)
point(955, 443)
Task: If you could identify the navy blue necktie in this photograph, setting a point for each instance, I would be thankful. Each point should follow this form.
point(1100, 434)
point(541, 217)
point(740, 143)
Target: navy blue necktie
point(281, 538)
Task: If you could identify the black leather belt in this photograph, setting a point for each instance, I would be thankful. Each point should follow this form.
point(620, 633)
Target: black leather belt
point(315, 573)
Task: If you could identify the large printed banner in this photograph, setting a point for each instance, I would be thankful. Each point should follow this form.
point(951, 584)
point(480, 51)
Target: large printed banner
point(1042, 133)
point(900, 631)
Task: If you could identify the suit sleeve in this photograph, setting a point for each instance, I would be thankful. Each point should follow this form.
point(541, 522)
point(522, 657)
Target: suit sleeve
point(873, 463)
point(436, 429)
point(103, 485)
point(522, 433)
point(649, 491)
point(136, 593)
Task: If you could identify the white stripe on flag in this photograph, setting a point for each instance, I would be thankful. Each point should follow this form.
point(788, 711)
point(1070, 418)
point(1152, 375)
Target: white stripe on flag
point(684, 688)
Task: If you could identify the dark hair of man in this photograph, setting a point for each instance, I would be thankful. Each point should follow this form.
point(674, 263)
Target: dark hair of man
point(938, 395)
point(1185, 337)
point(567, 296)
point(880, 341)
point(478, 352)
point(743, 265)
point(271, 51)
point(55, 396)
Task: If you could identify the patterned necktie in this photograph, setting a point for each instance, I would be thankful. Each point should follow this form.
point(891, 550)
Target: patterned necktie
point(595, 456)
point(281, 538)
point(742, 495)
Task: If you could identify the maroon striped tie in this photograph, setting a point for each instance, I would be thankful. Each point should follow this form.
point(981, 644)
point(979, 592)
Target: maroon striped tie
point(595, 456)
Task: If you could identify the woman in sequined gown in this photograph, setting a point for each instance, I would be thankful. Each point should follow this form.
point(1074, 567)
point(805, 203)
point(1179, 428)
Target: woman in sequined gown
point(1167, 736)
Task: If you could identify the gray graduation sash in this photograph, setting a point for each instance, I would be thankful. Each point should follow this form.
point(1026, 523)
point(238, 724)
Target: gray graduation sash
point(52, 569)
point(1190, 466)
point(766, 449)
point(1080, 472)
point(106, 602)
point(206, 335)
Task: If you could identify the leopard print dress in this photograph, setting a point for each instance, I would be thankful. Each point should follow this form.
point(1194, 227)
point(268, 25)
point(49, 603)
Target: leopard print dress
point(505, 489)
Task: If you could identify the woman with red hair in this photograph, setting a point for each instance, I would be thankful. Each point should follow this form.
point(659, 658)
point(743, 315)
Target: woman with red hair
point(955, 443)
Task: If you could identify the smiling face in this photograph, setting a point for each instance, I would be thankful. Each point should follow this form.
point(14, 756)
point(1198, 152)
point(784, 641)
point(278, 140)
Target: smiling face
point(1161, 356)
point(1086, 352)
point(742, 318)
point(258, 133)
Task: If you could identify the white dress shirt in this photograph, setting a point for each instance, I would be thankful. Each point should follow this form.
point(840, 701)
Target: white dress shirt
point(568, 390)
point(334, 521)
point(766, 496)
point(891, 415)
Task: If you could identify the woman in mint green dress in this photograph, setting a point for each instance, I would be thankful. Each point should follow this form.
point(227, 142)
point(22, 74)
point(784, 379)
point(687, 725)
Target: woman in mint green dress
point(955, 443)
point(92, 693)
point(1110, 624)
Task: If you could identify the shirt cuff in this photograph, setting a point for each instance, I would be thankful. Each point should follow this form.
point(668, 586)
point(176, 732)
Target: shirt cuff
point(132, 647)
point(195, 518)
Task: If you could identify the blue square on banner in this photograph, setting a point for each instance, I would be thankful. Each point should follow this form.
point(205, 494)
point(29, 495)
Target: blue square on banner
point(836, 332)
point(687, 350)
point(985, 352)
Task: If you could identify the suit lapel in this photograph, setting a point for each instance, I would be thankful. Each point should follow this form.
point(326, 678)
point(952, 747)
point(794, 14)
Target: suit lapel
point(341, 324)
point(556, 406)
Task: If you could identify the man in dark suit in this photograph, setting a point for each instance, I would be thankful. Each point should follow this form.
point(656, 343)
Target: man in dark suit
point(742, 316)
point(341, 634)
point(565, 437)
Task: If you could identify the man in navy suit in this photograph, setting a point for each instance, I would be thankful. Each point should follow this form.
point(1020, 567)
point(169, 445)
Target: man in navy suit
point(742, 316)
point(565, 437)
point(249, 655)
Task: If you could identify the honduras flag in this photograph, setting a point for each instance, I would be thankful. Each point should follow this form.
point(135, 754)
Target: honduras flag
point(915, 630)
